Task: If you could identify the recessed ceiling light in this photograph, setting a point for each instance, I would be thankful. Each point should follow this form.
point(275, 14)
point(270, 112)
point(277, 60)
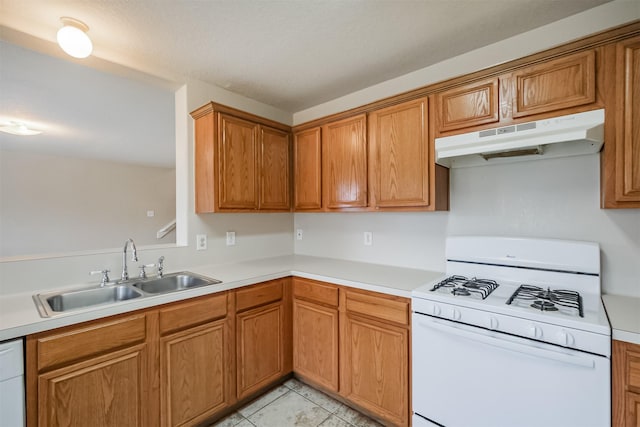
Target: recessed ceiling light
point(18, 128)
point(73, 38)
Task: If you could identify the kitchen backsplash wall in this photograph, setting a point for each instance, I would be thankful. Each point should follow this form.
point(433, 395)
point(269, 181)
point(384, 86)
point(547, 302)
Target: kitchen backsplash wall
point(554, 198)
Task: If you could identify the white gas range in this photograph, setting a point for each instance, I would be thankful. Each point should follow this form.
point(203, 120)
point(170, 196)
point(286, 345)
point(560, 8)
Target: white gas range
point(514, 324)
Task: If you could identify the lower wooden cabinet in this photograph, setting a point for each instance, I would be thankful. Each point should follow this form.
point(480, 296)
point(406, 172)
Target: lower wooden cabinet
point(263, 349)
point(625, 362)
point(315, 333)
point(105, 391)
point(186, 363)
point(375, 355)
point(195, 356)
point(97, 373)
point(355, 345)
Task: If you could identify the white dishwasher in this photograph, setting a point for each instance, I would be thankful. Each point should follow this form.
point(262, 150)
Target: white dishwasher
point(12, 410)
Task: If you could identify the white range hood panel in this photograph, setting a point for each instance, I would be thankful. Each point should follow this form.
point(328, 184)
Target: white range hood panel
point(571, 135)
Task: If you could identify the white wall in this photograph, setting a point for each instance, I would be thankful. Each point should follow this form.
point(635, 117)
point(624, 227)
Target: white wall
point(53, 204)
point(257, 235)
point(554, 198)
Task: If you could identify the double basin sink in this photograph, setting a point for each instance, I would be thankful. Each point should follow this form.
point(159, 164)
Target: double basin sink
point(53, 303)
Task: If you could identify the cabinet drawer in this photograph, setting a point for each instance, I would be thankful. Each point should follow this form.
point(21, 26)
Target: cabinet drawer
point(185, 314)
point(315, 291)
point(257, 295)
point(393, 309)
point(90, 340)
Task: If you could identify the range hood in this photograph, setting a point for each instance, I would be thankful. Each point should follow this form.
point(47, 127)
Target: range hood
point(575, 134)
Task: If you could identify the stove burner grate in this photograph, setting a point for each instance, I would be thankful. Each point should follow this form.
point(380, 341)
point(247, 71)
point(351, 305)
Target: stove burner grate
point(547, 299)
point(463, 286)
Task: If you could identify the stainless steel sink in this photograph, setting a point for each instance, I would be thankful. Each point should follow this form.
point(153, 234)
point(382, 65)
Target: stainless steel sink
point(54, 303)
point(60, 302)
point(174, 282)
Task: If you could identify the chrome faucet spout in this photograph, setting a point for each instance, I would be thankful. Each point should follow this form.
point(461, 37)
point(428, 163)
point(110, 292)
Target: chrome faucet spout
point(134, 257)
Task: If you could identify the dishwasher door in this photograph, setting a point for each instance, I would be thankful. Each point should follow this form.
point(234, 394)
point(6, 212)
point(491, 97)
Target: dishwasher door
point(12, 410)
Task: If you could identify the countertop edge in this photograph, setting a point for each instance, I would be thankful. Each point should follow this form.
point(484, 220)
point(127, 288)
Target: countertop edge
point(624, 317)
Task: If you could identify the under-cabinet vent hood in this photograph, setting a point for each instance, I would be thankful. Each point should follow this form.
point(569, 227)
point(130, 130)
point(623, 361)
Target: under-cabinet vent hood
point(571, 135)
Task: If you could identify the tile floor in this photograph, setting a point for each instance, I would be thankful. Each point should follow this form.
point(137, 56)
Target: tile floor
point(296, 404)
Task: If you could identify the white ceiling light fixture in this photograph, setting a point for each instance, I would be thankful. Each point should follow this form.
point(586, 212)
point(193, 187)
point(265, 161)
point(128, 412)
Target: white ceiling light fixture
point(18, 128)
point(73, 38)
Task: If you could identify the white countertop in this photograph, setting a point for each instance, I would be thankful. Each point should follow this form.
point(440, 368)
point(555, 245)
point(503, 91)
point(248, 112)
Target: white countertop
point(624, 316)
point(19, 316)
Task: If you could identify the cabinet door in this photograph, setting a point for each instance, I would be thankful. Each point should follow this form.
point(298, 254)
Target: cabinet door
point(555, 85)
point(307, 166)
point(315, 343)
point(194, 371)
point(375, 372)
point(628, 123)
point(104, 391)
point(344, 163)
point(260, 347)
point(470, 105)
point(275, 186)
point(399, 155)
point(633, 410)
point(237, 157)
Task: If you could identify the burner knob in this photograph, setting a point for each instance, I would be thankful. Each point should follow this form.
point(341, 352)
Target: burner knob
point(436, 310)
point(493, 322)
point(455, 314)
point(565, 338)
point(535, 332)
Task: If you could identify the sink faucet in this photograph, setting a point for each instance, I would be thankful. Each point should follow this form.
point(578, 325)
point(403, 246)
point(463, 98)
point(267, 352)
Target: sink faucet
point(134, 257)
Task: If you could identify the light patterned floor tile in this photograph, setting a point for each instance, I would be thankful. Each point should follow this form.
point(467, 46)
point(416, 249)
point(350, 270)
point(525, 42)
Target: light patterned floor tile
point(334, 421)
point(319, 398)
point(293, 384)
point(263, 401)
point(290, 410)
point(245, 423)
point(229, 421)
point(356, 418)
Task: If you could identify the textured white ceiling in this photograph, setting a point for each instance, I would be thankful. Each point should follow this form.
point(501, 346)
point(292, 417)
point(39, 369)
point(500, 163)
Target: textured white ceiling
point(285, 53)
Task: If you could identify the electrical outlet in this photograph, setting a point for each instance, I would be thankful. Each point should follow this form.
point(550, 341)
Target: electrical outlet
point(368, 238)
point(299, 234)
point(201, 242)
point(151, 214)
point(231, 238)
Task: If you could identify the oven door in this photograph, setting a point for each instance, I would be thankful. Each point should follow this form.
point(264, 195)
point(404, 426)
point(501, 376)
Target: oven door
point(465, 376)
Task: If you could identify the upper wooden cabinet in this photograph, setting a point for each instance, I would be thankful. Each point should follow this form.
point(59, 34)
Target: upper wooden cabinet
point(554, 85)
point(344, 163)
point(242, 162)
point(274, 166)
point(469, 105)
point(620, 168)
point(307, 167)
point(238, 163)
point(399, 155)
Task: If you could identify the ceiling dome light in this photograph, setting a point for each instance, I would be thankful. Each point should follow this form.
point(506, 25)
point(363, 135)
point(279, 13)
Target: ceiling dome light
point(18, 128)
point(73, 38)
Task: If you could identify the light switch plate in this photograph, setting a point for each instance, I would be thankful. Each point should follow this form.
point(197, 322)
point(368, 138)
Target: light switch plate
point(368, 238)
point(299, 234)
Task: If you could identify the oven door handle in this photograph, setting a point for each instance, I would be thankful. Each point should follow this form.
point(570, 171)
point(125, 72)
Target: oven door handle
point(484, 338)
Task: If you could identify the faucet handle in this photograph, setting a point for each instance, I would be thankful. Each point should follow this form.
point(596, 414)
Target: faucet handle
point(105, 276)
point(143, 273)
point(160, 266)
